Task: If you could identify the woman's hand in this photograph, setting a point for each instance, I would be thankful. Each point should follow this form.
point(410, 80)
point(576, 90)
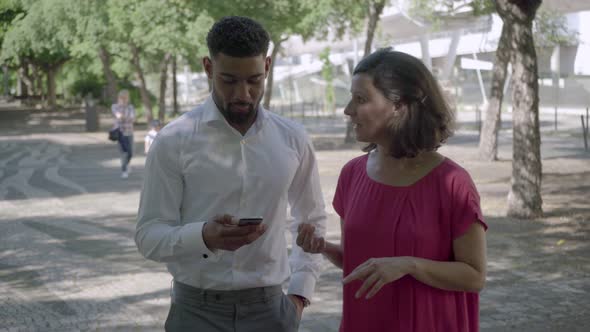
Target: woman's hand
point(307, 240)
point(377, 272)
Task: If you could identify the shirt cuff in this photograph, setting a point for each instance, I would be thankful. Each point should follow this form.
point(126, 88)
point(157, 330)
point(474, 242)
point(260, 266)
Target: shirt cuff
point(192, 239)
point(302, 284)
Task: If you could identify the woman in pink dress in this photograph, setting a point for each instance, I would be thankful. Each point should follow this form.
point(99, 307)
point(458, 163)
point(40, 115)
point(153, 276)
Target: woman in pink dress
point(413, 246)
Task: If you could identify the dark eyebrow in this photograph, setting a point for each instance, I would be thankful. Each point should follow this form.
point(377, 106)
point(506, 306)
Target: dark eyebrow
point(233, 76)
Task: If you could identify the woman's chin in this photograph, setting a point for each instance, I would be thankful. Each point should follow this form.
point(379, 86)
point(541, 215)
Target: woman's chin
point(360, 137)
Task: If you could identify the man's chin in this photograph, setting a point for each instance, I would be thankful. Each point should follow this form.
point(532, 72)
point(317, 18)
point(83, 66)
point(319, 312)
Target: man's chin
point(239, 117)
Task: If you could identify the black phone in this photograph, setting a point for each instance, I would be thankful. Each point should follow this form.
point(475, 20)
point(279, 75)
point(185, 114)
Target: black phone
point(249, 221)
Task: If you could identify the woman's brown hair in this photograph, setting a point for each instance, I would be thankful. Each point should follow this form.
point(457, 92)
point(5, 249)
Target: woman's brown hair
point(427, 120)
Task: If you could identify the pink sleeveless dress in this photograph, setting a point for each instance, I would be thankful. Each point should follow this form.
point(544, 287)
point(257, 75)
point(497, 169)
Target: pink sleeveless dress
point(420, 220)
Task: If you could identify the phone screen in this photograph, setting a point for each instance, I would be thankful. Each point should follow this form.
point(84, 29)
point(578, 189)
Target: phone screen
point(249, 221)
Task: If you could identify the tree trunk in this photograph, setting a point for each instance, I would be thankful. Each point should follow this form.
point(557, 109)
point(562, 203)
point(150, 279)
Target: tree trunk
point(6, 87)
point(105, 58)
point(524, 199)
point(374, 12)
point(145, 97)
point(163, 79)
point(174, 87)
point(51, 87)
point(488, 143)
point(38, 79)
point(269, 81)
point(27, 85)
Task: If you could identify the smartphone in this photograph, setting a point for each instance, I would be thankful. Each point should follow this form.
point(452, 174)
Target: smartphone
point(249, 221)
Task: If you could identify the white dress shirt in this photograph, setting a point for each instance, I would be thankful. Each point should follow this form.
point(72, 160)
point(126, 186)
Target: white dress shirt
point(199, 167)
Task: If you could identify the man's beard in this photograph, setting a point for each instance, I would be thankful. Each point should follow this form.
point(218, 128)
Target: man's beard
point(234, 116)
point(239, 117)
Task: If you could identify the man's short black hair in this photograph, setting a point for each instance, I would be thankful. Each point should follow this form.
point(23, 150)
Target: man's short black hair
point(238, 37)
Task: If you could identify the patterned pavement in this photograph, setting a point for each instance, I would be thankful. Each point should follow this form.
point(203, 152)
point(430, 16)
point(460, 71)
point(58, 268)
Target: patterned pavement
point(68, 261)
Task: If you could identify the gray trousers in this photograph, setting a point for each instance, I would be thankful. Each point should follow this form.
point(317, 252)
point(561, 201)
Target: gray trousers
point(248, 310)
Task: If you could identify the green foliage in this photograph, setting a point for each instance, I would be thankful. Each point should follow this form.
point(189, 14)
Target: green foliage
point(42, 36)
point(81, 76)
point(92, 26)
point(157, 27)
point(482, 7)
point(436, 12)
point(196, 34)
point(281, 18)
point(86, 85)
point(9, 11)
point(336, 16)
point(550, 29)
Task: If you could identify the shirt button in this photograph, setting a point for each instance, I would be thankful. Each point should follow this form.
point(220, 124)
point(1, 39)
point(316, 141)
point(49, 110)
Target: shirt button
point(243, 142)
point(205, 256)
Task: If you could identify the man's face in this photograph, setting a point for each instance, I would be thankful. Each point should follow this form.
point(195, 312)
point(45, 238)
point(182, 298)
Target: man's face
point(238, 85)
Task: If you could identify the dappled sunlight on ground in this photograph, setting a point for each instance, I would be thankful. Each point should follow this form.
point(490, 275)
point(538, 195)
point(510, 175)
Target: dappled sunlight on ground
point(68, 259)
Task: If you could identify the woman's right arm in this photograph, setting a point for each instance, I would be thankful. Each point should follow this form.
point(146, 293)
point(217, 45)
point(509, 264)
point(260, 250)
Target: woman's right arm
point(116, 112)
point(318, 245)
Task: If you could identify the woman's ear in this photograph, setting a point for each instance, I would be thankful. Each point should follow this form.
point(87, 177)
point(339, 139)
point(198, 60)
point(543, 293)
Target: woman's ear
point(398, 108)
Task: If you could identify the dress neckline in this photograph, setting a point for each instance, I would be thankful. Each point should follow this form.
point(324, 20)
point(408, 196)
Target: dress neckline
point(417, 182)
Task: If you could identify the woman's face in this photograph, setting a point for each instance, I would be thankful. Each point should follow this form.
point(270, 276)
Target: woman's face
point(369, 111)
point(123, 99)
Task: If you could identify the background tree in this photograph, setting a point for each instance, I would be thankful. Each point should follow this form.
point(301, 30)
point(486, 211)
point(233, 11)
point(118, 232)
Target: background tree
point(516, 46)
point(154, 32)
point(94, 39)
point(328, 77)
point(41, 37)
point(281, 18)
point(524, 199)
point(9, 11)
point(549, 30)
point(349, 16)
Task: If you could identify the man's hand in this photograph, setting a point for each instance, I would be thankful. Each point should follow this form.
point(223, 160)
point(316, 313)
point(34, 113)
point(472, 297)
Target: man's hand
point(225, 234)
point(307, 240)
point(298, 303)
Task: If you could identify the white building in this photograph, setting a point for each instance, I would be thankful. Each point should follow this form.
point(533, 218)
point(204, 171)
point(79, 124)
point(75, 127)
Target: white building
point(453, 52)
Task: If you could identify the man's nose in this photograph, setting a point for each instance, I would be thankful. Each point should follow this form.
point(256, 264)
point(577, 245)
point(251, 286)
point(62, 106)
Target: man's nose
point(242, 92)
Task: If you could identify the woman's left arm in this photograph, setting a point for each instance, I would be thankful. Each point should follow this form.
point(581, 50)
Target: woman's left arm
point(466, 273)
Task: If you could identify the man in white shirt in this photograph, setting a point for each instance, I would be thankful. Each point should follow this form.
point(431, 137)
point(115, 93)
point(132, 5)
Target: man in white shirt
point(229, 159)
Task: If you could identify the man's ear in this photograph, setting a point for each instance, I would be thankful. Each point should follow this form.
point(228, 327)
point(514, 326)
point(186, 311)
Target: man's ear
point(208, 66)
point(267, 63)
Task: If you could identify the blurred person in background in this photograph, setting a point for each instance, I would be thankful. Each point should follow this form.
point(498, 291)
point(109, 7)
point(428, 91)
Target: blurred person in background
point(124, 114)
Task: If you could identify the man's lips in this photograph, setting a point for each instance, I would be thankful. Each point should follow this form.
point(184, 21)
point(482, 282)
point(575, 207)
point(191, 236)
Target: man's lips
point(240, 108)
